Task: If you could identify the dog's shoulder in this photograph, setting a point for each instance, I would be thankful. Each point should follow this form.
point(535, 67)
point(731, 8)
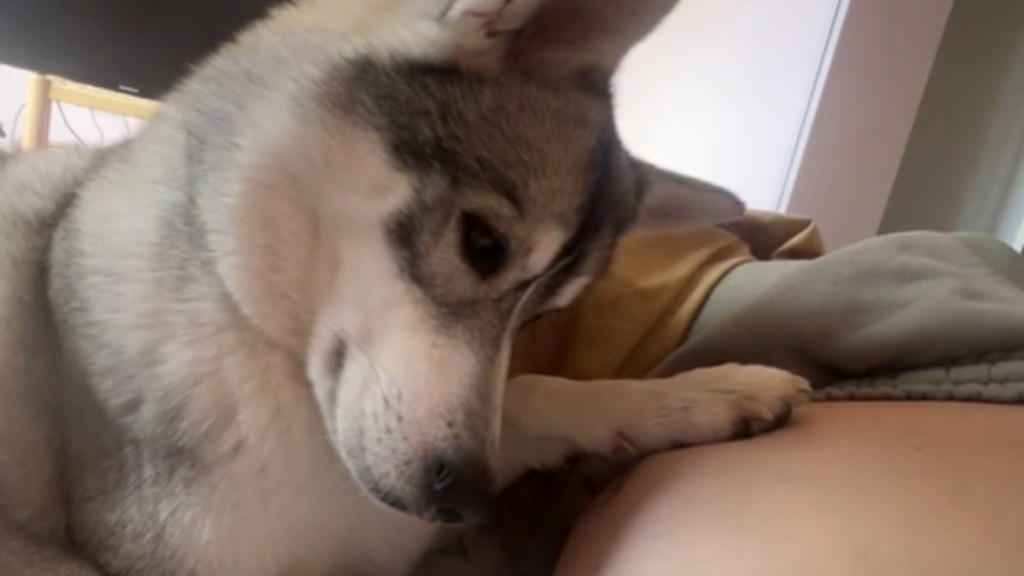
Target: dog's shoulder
point(35, 189)
point(34, 186)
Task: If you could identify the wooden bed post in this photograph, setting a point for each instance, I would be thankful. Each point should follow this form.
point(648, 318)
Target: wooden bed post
point(37, 114)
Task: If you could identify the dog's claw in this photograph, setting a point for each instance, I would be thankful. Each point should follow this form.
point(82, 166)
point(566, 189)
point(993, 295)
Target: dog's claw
point(717, 404)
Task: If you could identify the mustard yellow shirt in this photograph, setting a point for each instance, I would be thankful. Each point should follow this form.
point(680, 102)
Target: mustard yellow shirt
point(633, 317)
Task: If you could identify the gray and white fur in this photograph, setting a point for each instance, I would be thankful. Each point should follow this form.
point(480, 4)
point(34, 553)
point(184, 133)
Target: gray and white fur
point(270, 335)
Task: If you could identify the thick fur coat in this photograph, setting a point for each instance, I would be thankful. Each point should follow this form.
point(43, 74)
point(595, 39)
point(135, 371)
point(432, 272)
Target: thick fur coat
point(270, 335)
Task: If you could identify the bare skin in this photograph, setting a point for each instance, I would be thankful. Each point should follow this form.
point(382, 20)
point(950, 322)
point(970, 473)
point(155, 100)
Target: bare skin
point(848, 489)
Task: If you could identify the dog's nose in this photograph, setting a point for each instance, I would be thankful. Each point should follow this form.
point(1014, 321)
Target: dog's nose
point(460, 492)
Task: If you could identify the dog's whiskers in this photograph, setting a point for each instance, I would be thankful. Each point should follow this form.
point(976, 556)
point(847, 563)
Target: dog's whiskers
point(379, 373)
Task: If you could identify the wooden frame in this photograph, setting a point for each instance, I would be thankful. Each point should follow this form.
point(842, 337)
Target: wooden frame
point(44, 90)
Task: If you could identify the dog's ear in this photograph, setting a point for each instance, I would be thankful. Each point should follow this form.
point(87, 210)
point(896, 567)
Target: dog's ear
point(582, 39)
point(674, 202)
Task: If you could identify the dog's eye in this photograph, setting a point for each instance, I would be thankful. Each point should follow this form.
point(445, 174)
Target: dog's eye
point(482, 247)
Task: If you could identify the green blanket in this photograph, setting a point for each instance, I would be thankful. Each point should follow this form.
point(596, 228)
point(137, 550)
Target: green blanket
point(906, 316)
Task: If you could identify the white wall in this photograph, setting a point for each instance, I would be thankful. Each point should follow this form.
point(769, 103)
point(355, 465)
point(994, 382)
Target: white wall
point(861, 123)
point(105, 129)
point(964, 166)
point(721, 91)
point(802, 106)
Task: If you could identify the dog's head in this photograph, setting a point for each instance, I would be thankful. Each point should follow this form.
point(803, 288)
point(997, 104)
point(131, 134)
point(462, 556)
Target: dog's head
point(442, 205)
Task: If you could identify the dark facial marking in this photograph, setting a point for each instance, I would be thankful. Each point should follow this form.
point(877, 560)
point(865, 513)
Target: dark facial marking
point(416, 107)
point(597, 218)
point(457, 132)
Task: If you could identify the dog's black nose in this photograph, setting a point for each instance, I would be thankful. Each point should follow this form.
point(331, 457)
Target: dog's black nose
point(460, 492)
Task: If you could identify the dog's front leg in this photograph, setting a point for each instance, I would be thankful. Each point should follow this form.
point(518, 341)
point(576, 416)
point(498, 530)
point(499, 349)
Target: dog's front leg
point(548, 419)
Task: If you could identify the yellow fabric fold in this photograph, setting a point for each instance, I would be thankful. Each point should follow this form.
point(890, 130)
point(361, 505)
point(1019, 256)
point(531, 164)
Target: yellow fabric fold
point(631, 318)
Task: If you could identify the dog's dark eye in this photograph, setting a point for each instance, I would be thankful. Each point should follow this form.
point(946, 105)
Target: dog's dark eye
point(482, 247)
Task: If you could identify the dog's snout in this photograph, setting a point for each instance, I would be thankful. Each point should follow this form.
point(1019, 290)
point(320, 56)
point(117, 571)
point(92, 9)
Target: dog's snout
point(459, 492)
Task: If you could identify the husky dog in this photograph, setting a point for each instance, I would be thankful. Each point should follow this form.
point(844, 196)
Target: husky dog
point(284, 311)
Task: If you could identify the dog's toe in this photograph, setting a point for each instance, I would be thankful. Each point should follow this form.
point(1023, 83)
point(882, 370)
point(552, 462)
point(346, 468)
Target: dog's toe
point(769, 403)
point(766, 420)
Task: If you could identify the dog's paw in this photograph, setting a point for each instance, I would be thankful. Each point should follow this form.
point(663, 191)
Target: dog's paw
point(548, 419)
point(713, 405)
point(763, 397)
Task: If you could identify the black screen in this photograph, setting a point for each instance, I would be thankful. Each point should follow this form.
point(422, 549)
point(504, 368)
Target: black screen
point(137, 46)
